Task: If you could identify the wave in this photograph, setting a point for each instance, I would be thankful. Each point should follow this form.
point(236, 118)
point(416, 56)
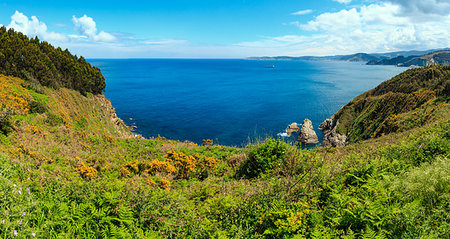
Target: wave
point(284, 134)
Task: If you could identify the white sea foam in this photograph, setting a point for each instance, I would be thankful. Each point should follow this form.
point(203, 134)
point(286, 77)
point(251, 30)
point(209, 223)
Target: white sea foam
point(284, 134)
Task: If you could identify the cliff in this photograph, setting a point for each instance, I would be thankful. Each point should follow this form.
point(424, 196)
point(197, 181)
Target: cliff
point(412, 99)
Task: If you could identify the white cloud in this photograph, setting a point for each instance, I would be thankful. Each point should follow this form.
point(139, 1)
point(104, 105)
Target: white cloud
point(302, 12)
point(34, 27)
point(343, 1)
point(382, 26)
point(422, 7)
point(166, 42)
point(87, 26)
point(378, 27)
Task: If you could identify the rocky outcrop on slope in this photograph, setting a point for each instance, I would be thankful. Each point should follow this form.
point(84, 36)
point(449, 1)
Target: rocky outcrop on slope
point(112, 115)
point(307, 133)
point(331, 137)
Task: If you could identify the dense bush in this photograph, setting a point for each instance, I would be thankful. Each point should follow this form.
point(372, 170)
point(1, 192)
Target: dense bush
point(40, 62)
point(53, 119)
point(5, 121)
point(262, 157)
point(37, 107)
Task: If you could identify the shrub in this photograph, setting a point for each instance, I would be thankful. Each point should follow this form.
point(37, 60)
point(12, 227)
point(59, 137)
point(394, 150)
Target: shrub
point(53, 119)
point(37, 107)
point(160, 166)
point(191, 165)
point(263, 157)
point(164, 184)
point(185, 164)
point(284, 221)
point(5, 120)
point(86, 171)
point(207, 142)
point(129, 168)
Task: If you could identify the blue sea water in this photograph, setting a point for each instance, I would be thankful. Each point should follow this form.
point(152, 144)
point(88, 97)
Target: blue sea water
point(233, 101)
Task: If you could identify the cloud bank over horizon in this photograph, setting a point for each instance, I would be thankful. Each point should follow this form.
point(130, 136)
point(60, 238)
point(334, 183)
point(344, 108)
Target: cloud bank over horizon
point(374, 26)
point(382, 26)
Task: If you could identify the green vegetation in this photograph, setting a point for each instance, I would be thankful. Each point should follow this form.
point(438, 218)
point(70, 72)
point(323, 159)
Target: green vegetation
point(40, 62)
point(413, 98)
point(69, 169)
point(263, 157)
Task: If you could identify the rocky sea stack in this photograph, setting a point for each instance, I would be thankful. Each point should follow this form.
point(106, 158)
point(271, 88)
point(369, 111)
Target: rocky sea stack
point(292, 128)
point(307, 133)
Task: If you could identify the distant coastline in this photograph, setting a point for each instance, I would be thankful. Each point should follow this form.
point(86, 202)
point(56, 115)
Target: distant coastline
point(401, 58)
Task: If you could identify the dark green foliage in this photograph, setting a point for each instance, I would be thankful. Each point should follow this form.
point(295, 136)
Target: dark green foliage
point(53, 119)
point(263, 157)
point(40, 62)
point(37, 107)
point(5, 120)
point(359, 175)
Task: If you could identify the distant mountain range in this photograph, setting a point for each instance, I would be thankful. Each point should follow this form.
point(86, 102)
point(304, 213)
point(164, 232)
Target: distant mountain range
point(434, 58)
point(400, 58)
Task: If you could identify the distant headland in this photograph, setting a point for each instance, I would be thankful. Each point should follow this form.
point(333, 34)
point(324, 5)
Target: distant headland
point(400, 58)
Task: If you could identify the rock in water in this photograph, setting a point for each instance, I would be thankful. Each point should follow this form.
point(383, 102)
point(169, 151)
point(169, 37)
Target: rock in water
point(331, 137)
point(292, 128)
point(307, 133)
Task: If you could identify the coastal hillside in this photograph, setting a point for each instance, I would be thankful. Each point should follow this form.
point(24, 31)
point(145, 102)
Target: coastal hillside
point(69, 168)
point(411, 99)
point(400, 58)
point(359, 57)
point(433, 58)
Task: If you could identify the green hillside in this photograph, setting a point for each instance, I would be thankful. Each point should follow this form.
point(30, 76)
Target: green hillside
point(359, 57)
point(412, 99)
point(69, 168)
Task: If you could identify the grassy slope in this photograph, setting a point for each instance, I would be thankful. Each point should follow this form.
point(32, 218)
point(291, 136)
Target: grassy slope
point(412, 99)
point(81, 175)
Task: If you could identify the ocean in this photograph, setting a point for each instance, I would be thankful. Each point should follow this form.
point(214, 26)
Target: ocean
point(231, 101)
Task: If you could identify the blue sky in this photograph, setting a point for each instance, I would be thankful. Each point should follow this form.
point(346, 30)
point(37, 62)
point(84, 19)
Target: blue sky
point(231, 28)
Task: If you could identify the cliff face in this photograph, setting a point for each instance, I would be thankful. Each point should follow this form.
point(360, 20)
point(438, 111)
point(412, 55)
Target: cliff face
point(110, 113)
point(411, 99)
point(60, 108)
point(331, 137)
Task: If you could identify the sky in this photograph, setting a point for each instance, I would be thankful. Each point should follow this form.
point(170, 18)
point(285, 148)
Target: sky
point(231, 28)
